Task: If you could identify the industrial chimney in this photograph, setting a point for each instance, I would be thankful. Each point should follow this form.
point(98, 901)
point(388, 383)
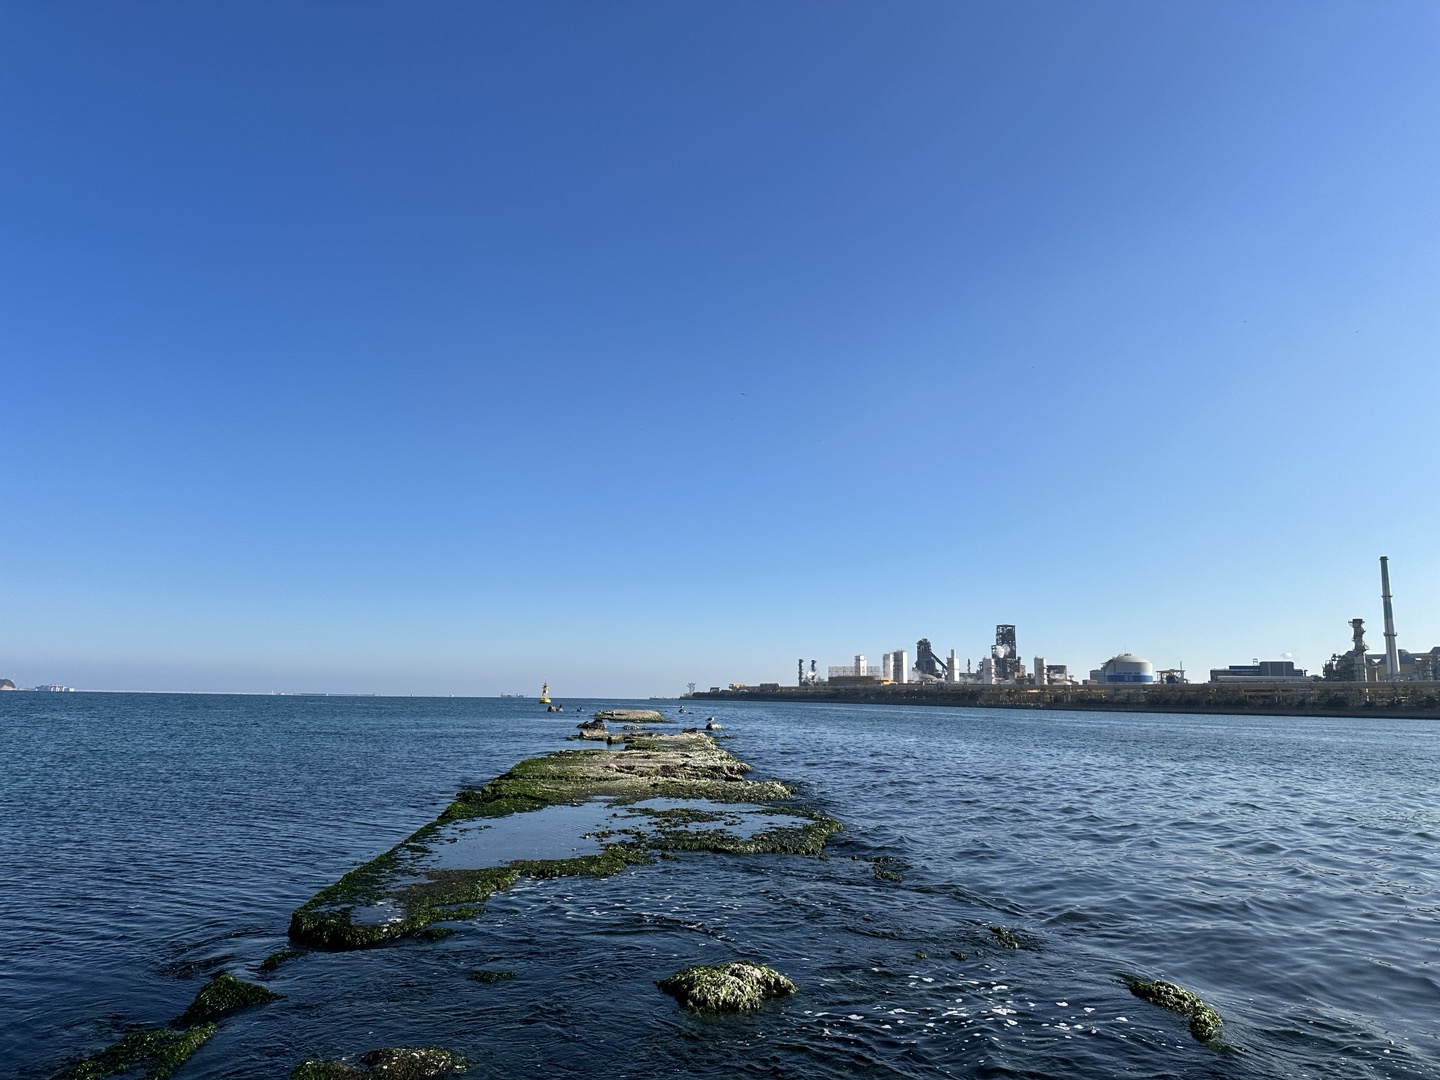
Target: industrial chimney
point(1392, 654)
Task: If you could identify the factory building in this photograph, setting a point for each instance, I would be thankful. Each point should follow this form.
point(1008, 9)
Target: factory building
point(1006, 655)
point(1003, 667)
point(894, 666)
point(1421, 667)
point(928, 666)
point(857, 674)
point(1409, 667)
point(1125, 668)
point(1056, 674)
point(1269, 671)
point(1395, 663)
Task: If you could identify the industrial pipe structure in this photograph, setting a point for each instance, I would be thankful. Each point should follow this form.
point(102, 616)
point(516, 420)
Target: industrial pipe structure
point(1392, 654)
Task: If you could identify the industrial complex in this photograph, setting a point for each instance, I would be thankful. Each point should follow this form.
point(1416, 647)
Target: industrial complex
point(1002, 677)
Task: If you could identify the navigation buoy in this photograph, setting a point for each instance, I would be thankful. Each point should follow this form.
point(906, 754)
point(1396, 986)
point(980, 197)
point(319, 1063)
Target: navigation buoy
point(545, 693)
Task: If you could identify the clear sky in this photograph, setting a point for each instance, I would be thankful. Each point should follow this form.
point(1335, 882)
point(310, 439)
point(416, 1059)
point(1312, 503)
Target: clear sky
point(453, 347)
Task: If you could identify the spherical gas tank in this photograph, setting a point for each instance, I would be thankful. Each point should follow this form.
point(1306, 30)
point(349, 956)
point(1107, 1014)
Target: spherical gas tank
point(1128, 668)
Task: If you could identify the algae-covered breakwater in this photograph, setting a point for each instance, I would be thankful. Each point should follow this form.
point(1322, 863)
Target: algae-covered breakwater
point(156, 1053)
point(658, 793)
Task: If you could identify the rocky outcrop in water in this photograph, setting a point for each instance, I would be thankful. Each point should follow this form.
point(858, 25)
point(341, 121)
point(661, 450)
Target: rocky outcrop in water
point(734, 987)
point(155, 1053)
point(410, 896)
point(1204, 1020)
point(632, 716)
point(391, 1062)
point(223, 996)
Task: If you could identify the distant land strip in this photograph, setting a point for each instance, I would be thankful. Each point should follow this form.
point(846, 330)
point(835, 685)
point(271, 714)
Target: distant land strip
point(1413, 700)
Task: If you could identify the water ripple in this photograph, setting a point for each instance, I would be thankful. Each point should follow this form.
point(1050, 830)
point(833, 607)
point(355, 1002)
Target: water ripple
point(1284, 869)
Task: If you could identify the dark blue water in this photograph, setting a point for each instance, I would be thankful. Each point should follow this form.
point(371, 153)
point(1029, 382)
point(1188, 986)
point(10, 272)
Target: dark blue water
point(1285, 869)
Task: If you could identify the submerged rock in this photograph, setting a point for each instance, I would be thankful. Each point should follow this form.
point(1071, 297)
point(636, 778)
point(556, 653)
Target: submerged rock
point(276, 959)
point(1005, 937)
point(734, 987)
point(159, 1051)
point(593, 729)
point(886, 868)
point(222, 996)
point(489, 975)
point(1205, 1022)
point(325, 1070)
point(391, 1062)
point(155, 1053)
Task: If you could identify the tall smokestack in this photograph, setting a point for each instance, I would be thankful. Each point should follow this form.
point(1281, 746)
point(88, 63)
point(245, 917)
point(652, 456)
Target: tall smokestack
point(1392, 654)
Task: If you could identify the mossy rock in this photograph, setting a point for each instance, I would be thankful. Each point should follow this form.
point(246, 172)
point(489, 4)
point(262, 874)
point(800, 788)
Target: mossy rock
point(391, 1062)
point(807, 837)
point(1204, 1020)
point(274, 961)
point(725, 988)
point(222, 996)
point(612, 860)
point(325, 1070)
point(489, 975)
point(158, 1051)
point(326, 920)
point(887, 868)
point(1005, 937)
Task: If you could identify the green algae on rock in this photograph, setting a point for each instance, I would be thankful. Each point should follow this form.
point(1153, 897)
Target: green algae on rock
point(325, 1070)
point(159, 1052)
point(1205, 1022)
point(1005, 937)
point(327, 920)
point(806, 837)
point(632, 716)
point(223, 996)
point(398, 895)
point(735, 987)
point(489, 975)
point(683, 766)
point(886, 868)
point(274, 961)
point(391, 1062)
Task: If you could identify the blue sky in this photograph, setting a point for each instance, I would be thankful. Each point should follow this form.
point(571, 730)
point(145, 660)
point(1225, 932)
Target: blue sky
point(451, 348)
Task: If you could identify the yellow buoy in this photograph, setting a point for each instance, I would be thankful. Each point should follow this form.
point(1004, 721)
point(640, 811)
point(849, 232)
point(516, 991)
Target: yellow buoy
point(545, 694)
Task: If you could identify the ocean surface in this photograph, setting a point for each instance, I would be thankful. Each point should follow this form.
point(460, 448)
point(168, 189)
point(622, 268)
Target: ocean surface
point(1286, 870)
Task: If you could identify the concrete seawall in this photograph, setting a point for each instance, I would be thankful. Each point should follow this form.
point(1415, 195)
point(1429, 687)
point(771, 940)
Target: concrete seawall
point(1401, 700)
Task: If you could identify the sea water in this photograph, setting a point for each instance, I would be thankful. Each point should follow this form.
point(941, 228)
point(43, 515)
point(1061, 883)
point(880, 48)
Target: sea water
point(1284, 869)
